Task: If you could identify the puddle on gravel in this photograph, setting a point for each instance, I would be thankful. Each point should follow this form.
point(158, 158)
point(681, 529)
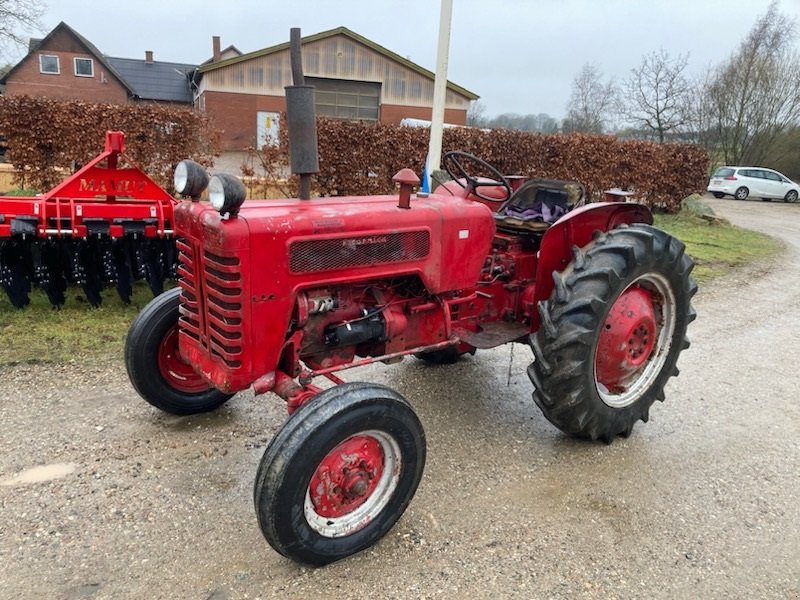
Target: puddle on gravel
point(40, 474)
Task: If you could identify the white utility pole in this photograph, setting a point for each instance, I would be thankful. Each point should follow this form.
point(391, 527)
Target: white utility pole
point(440, 88)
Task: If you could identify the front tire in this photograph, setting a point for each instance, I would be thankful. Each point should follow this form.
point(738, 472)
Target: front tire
point(791, 196)
point(155, 366)
point(340, 473)
point(612, 331)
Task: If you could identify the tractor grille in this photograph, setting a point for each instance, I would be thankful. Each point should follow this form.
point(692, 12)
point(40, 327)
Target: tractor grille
point(211, 306)
point(309, 256)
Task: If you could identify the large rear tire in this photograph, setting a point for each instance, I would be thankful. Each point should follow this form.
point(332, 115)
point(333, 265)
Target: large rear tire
point(612, 331)
point(155, 367)
point(340, 473)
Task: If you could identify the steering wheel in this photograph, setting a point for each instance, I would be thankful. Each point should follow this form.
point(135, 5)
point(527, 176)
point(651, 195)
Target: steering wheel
point(452, 163)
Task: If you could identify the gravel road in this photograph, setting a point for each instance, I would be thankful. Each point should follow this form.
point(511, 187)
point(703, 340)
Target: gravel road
point(701, 502)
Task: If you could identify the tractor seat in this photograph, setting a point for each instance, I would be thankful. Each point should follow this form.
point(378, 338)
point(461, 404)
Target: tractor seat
point(539, 203)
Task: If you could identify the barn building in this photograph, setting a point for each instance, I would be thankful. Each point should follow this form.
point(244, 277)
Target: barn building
point(355, 78)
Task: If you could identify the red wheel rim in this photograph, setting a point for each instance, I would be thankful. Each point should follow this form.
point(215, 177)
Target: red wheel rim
point(353, 483)
point(347, 476)
point(627, 339)
point(178, 374)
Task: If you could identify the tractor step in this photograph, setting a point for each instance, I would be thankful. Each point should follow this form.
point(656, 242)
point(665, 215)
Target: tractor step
point(491, 335)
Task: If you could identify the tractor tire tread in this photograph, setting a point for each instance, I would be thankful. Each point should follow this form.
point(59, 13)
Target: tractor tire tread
point(562, 372)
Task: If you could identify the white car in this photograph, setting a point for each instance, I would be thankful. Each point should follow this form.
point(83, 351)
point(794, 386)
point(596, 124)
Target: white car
point(741, 182)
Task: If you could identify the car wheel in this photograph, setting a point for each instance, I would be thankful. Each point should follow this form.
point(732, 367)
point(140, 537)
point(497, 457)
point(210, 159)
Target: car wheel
point(742, 193)
point(718, 194)
point(791, 196)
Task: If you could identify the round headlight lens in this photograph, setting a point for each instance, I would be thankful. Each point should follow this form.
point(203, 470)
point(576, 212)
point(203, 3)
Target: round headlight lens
point(181, 177)
point(216, 193)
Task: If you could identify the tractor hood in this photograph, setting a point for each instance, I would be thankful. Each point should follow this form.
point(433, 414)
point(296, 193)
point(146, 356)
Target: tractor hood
point(443, 239)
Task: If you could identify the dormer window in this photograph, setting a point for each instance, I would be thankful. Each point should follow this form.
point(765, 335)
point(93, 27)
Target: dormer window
point(84, 67)
point(48, 63)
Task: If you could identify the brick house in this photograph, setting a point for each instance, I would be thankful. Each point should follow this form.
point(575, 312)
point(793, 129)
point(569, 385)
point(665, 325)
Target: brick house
point(355, 78)
point(66, 65)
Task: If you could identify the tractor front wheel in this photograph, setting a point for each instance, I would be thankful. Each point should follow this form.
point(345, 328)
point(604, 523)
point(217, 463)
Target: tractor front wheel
point(340, 473)
point(155, 367)
point(612, 331)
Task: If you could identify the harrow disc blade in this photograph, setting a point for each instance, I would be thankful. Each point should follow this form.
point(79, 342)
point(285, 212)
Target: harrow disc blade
point(154, 261)
point(15, 269)
point(123, 269)
point(48, 271)
point(87, 260)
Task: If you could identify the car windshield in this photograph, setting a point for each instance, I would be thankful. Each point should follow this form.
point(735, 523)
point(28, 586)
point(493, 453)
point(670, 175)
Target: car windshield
point(723, 172)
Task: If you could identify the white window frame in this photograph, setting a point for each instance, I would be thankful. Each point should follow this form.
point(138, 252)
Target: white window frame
point(58, 64)
point(75, 66)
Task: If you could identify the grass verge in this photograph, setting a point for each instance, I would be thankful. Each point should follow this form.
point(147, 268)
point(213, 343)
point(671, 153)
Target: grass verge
point(717, 246)
point(41, 334)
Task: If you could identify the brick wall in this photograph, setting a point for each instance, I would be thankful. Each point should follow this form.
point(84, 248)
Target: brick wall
point(102, 87)
point(235, 115)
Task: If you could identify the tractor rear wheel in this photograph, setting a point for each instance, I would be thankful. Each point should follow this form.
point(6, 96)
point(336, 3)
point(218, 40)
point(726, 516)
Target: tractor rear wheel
point(339, 473)
point(155, 367)
point(612, 331)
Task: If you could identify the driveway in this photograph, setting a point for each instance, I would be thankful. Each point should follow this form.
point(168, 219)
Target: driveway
point(701, 502)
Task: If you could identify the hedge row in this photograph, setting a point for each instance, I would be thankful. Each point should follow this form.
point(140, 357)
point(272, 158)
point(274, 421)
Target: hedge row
point(361, 158)
point(46, 138)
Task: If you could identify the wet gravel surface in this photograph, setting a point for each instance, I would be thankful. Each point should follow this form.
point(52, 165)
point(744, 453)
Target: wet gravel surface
point(701, 502)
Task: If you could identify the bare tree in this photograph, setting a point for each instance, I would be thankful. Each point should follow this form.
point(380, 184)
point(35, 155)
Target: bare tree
point(753, 96)
point(476, 115)
point(17, 18)
point(656, 95)
point(591, 102)
point(542, 122)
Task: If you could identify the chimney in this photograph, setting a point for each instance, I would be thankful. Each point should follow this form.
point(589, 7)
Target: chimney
point(148, 56)
point(217, 56)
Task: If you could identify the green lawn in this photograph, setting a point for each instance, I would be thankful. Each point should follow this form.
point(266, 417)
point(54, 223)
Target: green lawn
point(42, 334)
point(717, 247)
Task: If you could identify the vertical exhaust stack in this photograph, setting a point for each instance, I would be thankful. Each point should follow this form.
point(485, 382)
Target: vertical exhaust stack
point(301, 120)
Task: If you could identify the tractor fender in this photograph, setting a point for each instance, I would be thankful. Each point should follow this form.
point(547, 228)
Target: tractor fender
point(576, 229)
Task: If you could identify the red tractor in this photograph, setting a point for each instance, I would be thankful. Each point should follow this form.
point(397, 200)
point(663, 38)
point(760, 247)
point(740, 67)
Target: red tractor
point(276, 294)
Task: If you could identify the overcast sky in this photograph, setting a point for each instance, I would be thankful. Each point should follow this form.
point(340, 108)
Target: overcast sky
point(517, 55)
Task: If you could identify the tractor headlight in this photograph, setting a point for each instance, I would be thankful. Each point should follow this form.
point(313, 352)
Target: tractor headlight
point(190, 179)
point(226, 193)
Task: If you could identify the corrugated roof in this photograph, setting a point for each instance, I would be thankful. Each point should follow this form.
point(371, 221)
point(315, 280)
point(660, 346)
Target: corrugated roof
point(157, 80)
point(206, 67)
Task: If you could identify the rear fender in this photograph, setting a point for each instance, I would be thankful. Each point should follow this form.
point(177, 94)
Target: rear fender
point(576, 229)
